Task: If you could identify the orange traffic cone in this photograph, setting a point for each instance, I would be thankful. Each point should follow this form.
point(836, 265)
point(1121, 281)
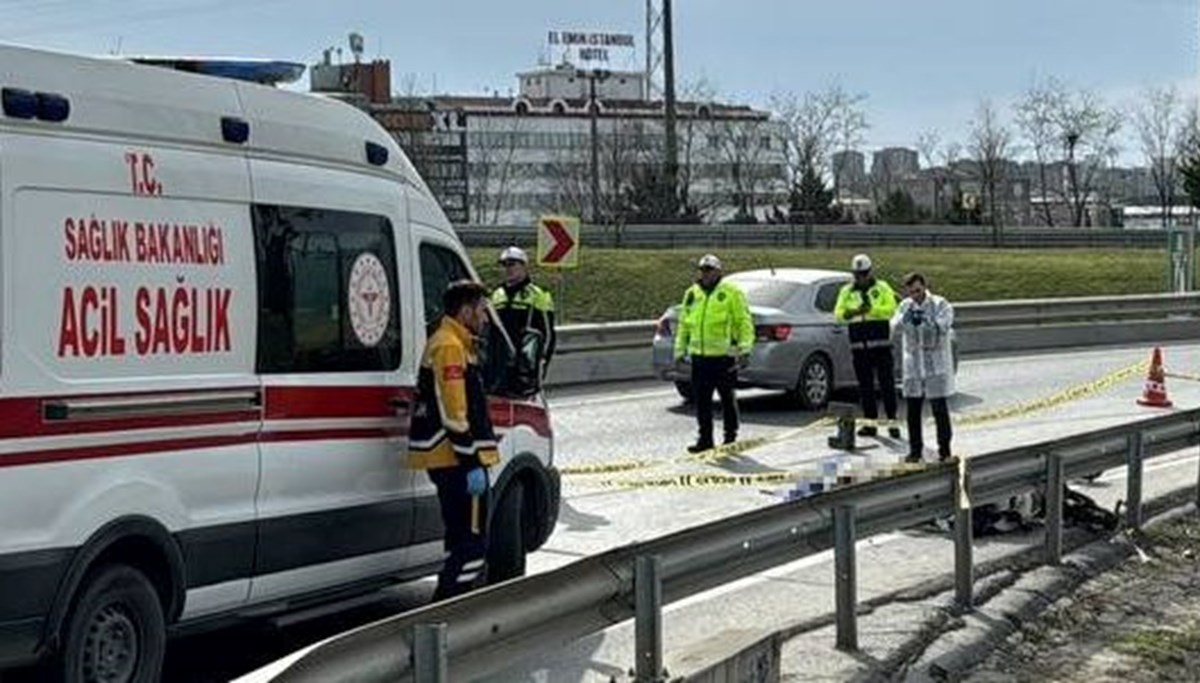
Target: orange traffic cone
point(1154, 395)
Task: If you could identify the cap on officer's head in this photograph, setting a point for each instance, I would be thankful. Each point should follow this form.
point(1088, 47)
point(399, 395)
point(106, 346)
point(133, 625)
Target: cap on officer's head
point(861, 263)
point(514, 254)
point(709, 261)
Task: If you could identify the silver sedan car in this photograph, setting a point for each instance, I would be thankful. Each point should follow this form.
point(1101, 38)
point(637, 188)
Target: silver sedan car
point(799, 347)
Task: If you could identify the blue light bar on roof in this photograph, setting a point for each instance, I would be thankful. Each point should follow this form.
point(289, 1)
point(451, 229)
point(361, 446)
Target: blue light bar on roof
point(264, 71)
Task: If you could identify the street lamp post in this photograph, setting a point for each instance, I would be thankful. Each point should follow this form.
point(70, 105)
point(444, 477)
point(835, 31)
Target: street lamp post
point(594, 111)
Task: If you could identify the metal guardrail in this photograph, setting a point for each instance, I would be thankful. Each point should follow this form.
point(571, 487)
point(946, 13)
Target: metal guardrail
point(824, 236)
point(481, 633)
point(622, 350)
point(971, 315)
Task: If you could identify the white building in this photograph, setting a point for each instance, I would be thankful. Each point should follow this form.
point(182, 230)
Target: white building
point(507, 160)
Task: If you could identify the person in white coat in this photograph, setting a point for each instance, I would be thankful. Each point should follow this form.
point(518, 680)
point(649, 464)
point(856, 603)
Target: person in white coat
point(923, 322)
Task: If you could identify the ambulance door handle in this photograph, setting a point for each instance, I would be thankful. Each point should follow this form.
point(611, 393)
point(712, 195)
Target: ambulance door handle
point(400, 403)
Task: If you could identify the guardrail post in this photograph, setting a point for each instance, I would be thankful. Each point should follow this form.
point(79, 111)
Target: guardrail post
point(1054, 508)
point(1198, 479)
point(429, 653)
point(1133, 496)
point(964, 567)
point(647, 585)
point(844, 578)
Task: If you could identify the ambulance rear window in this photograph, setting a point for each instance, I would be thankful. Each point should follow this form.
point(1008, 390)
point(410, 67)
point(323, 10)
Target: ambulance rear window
point(328, 300)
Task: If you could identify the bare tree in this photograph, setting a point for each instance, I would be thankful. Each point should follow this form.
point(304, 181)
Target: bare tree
point(570, 177)
point(819, 124)
point(1037, 119)
point(1188, 158)
point(989, 144)
point(692, 133)
point(1161, 126)
point(493, 170)
point(625, 150)
point(1087, 129)
point(929, 144)
point(850, 124)
point(742, 149)
point(939, 157)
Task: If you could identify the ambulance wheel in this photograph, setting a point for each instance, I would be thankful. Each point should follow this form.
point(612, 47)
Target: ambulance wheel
point(685, 391)
point(815, 385)
point(115, 631)
point(506, 551)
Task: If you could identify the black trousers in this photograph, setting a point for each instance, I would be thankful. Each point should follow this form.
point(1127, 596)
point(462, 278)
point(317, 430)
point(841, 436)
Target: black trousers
point(941, 415)
point(466, 538)
point(870, 365)
point(715, 373)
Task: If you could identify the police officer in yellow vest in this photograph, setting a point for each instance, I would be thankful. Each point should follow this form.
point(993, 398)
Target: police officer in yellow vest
point(717, 333)
point(867, 305)
point(452, 435)
point(522, 305)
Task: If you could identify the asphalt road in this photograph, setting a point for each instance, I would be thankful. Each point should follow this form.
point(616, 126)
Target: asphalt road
point(646, 422)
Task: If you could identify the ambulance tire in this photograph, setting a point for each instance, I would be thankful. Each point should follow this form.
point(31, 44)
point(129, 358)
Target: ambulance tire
point(685, 391)
point(115, 630)
point(506, 547)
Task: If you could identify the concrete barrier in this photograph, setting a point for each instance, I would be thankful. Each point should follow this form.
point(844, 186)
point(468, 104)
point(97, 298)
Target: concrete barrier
point(730, 657)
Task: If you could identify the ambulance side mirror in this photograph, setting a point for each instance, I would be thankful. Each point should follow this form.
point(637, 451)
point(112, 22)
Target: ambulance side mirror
point(512, 372)
point(524, 377)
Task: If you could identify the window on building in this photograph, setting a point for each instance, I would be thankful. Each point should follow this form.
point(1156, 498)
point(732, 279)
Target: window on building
point(327, 291)
point(765, 142)
point(714, 140)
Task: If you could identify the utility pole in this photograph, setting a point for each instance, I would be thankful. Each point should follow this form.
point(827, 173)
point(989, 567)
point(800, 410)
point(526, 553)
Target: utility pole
point(654, 56)
point(672, 142)
point(594, 112)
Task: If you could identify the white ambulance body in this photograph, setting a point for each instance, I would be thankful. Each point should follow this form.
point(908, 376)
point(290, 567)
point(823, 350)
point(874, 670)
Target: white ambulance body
point(213, 301)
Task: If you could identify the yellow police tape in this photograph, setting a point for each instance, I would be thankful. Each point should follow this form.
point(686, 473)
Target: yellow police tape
point(718, 480)
point(721, 453)
point(712, 455)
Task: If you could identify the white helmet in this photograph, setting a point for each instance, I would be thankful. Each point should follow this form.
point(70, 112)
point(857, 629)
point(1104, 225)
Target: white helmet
point(514, 254)
point(709, 261)
point(861, 263)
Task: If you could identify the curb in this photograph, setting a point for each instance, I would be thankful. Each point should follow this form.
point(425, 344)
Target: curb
point(975, 635)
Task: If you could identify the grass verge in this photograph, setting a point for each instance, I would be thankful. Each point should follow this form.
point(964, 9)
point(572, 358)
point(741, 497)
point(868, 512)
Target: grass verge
point(629, 284)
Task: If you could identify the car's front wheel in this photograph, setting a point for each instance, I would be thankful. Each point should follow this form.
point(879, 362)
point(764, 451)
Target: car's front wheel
point(815, 386)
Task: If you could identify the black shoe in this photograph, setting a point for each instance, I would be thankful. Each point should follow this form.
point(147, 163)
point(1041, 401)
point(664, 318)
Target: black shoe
point(729, 440)
point(700, 447)
point(894, 432)
point(913, 458)
point(868, 431)
point(943, 457)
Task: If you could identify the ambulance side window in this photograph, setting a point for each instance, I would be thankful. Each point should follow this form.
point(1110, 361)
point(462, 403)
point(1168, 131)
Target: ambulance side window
point(328, 300)
point(439, 267)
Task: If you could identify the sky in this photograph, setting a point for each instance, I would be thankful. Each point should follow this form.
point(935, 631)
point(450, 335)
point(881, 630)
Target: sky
point(922, 64)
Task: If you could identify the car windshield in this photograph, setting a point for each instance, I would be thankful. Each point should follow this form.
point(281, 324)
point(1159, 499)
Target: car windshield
point(767, 293)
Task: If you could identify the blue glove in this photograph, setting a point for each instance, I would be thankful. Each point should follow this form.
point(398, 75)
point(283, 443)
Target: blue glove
point(918, 316)
point(477, 482)
point(908, 317)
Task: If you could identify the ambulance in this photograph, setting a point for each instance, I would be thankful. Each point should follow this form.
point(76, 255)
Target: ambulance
point(214, 295)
